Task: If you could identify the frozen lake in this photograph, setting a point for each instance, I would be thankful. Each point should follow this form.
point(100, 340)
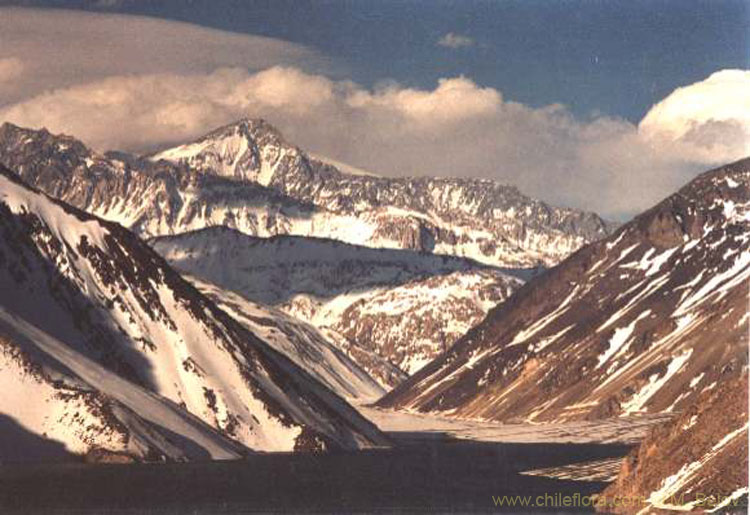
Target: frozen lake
point(435, 464)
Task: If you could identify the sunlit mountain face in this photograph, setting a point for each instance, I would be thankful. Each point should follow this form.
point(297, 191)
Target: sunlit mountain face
point(374, 257)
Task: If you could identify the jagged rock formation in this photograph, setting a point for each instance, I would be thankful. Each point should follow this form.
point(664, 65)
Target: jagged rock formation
point(697, 461)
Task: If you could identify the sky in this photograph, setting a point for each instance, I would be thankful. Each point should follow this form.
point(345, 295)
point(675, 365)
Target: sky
point(606, 106)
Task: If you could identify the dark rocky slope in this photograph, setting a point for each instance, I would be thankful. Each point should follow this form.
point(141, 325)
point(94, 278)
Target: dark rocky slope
point(641, 322)
point(698, 460)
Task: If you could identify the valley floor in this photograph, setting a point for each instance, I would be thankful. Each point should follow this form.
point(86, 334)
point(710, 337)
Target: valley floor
point(629, 430)
point(435, 465)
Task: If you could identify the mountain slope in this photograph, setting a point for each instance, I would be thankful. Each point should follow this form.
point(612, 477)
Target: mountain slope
point(51, 390)
point(403, 306)
point(103, 296)
point(698, 460)
point(412, 323)
point(643, 321)
point(299, 341)
point(245, 176)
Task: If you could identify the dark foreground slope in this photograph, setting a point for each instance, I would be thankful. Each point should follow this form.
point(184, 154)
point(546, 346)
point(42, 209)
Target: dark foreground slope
point(698, 460)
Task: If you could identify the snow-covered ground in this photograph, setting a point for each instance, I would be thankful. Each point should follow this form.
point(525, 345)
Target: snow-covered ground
point(401, 306)
point(147, 407)
point(113, 316)
point(596, 470)
point(299, 341)
point(627, 430)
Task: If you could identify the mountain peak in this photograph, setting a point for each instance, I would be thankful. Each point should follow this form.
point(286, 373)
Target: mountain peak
point(24, 135)
point(254, 128)
point(11, 127)
point(248, 149)
point(477, 218)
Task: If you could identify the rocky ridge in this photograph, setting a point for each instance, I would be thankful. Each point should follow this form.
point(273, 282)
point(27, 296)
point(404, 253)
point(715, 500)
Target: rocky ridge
point(246, 176)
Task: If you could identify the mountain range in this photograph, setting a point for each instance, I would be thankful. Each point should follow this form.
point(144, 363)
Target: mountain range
point(232, 294)
point(402, 306)
point(106, 346)
point(247, 177)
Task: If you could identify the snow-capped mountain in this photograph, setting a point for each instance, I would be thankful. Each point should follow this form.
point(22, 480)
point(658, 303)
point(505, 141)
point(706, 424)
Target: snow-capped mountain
point(154, 198)
point(697, 461)
point(106, 346)
point(405, 307)
point(412, 323)
point(480, 219)
point(245, 176)
point(299, 341)
point(641, 322)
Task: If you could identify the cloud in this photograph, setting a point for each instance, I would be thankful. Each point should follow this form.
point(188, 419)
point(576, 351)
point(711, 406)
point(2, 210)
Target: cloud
point(456, 129)
point(453, 40)
point(108, 4)
point(711, 118)
point(10, 68)
point(286, 89)
point(60, 48)
point(90, 76)
point(453, 100)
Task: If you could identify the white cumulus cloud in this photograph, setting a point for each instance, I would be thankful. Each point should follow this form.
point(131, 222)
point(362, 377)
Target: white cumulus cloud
point(456, 129)
point(711, 118)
